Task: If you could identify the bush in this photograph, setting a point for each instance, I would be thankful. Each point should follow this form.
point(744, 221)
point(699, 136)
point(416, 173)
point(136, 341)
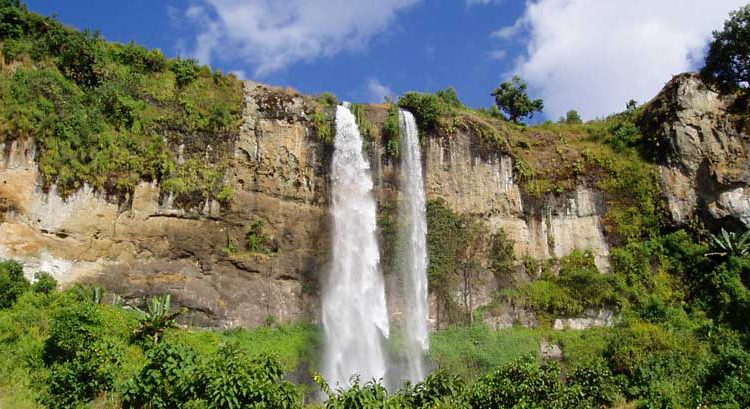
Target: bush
point(232, 380)
point(428, 109)
point(185, 71)
point(257, 241)
point(392, 132)
point(12, 282)
point(141, 60)
point(44, 283)
point(525, 383)
point(169, 379)
point(595, 381)
point(90, 372)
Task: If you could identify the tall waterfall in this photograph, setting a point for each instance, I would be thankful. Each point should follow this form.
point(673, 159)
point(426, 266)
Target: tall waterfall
point(414, 238)
point(355, 317)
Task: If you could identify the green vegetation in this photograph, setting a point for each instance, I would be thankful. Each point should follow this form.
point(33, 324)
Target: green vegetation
point(257, 241)
point(157, 319)
point(324, 118)
point(459, 247)
point(68, 350)
point(111, 115)
point(430, 110)
point(572, 117)
point(728, 59)
point(472, 351)
point(512, 99)
point(366, 128)
point(392, 132)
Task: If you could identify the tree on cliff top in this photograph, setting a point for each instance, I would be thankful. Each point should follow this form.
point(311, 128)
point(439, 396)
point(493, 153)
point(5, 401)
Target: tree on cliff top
point(728, 59)
point(512, 99)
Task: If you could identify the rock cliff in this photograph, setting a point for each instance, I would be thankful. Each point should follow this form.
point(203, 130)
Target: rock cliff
point(701, 141)
point(145, 245)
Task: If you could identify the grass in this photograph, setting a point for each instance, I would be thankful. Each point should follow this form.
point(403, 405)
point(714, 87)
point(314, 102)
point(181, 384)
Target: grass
point(473, 351)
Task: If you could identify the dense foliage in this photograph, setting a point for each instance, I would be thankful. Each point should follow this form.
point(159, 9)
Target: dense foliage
point(111, 115)
point(728, 58)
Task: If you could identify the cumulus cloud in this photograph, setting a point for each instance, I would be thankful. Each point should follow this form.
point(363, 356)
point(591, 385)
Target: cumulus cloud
point(594, 55)
point(269, 34)
point(378, 92)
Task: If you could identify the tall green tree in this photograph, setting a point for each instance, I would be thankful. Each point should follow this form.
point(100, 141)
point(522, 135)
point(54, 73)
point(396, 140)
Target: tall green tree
point(511, 98)
point(728, 58)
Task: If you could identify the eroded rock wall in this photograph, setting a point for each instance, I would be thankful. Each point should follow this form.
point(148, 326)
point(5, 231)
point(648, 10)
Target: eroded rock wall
point(702, 142)
point(147, 247)
point(142, 245)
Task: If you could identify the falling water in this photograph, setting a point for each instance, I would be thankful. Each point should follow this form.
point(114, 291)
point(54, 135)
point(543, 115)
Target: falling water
point(414, 238)
point(355, 317)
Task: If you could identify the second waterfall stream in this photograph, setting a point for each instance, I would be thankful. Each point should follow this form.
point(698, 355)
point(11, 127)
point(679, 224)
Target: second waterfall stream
point(355, 317)
point(413, 238)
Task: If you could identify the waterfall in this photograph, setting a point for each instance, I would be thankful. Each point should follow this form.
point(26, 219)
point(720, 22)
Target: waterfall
point(413, 236)
point(355, 317)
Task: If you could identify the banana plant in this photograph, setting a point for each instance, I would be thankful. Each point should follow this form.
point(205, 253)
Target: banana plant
point(157, 318)
point(728, 244)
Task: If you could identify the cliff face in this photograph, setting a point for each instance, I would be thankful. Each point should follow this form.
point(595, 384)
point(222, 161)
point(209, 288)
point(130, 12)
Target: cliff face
point(703, 147)
point(145, 246)
point(149, 247)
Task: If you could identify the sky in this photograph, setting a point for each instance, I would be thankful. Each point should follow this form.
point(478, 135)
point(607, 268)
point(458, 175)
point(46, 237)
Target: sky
point(588, 55)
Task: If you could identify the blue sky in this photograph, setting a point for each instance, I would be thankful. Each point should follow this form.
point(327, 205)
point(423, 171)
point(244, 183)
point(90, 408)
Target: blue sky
point(590, 55)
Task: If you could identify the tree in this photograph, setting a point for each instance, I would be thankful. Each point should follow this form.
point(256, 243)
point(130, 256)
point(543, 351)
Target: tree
point(572, 117)
point(12, 282)
point(728, 58)
point(512, 99)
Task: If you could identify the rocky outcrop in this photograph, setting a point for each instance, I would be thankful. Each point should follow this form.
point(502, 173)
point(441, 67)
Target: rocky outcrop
point(702, 143)
point(553, 226)
point(148, 247)
point(589, 319)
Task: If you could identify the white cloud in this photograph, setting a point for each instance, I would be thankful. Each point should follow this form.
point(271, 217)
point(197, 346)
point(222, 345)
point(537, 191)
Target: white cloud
point(594, 55)
point(270, 35)
point(377, 92)
point(497, 54)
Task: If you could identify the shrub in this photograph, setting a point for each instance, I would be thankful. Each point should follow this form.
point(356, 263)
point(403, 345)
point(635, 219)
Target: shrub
point(596, 381)
point(450, 97)
point(524, 383)
point(257, 240)
point(12, 282)
point(392, 132)
point(428, 109)
point(232, 380)
point(359, 395)
point(168, 381)
point(140, 59)
point(185, 71)
point(328, 100)
point(44, 283)
point(90, 372)
point(438, 388)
